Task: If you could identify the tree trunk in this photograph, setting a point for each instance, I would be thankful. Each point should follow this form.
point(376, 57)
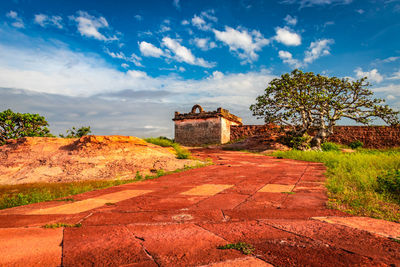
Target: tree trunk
point(318, 139)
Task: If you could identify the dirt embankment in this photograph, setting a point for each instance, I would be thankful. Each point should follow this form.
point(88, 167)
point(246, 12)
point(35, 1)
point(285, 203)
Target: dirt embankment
point(41, 159)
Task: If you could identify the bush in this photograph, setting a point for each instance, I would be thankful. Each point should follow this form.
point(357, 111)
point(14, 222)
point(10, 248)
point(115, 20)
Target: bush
point(356, 144)
point(329, 146)
point(389, 183)
point(181, 153)
point(77, 133)
point(16, 125)
point(299, 142)
point(291, 139)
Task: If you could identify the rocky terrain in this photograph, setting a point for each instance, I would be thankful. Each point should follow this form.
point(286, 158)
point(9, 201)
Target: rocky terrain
point(41, 159)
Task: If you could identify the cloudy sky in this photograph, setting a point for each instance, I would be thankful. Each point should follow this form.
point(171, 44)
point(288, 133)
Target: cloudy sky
point(124, 67)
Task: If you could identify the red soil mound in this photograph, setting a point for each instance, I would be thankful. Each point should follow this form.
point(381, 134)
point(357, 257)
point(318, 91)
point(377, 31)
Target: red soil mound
point(43, 159)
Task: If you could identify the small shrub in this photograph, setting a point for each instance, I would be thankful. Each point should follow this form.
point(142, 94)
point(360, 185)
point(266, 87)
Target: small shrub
point(356, 144)
point(389, 183)
point(77, 133)
point(298, 142)
point(328, 146)
point(240, 246)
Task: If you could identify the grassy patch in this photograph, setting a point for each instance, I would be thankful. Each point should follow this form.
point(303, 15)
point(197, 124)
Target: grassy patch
point(58, 225)
point(352, 180)
point(181, 153)
point(23, 194)
point(240, 246)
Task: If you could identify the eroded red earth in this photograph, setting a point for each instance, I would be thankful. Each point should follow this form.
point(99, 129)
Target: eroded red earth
point(181, 219)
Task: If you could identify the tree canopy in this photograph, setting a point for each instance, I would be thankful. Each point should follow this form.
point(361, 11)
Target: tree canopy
point(16, 125)
point(305, 101)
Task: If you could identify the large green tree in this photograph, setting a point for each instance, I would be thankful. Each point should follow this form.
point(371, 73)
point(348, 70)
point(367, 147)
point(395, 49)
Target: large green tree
point(15, 125)
point(308, 101)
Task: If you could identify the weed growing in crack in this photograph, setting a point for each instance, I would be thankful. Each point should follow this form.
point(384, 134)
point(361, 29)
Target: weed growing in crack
point(240, 246)
point(58, 225)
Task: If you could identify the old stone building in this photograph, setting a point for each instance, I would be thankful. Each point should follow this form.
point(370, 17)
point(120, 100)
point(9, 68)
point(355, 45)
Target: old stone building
point(200, 127)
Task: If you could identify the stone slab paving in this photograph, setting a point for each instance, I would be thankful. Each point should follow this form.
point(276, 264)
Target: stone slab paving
point(276, 205)
point(379, 227)
point(277, 188)
point(207, 190)
point(30, 247)
point(91, 203)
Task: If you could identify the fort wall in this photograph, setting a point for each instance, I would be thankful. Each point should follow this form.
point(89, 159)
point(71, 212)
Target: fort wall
point(371, 136)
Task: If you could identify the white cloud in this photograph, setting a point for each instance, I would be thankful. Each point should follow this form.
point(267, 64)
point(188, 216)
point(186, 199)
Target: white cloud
point(183, 54)
point(58, 70)
point(200, 21)
point(287, 37)
point(288, 59)
point(165, 28)
point(120, 55)
point(395, 76)
point(318, 49)
point(176, 4)
point(45, 20)
point(391, 90)
point(185, 22)
point(216, 75)
point(204, 43)
point(89, 26)
point(124, 65)
point(390, 97)
point(209, 14)
point(138, 17)
point(290, 20)
point(149, 50)
point(242, 42)
point(310, 3)
point(390, 59)
point(55, 71)
point(18, 22)
point(372, 75)
point(360, 11)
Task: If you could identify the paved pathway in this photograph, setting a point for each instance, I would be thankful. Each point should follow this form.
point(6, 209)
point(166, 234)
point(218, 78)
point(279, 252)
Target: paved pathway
point(276, 205)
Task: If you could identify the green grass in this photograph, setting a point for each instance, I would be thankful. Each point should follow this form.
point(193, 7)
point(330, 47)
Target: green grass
point(181, 153)
point(352, 180)
point(23, 194)
point(58, 225)
point(240, 246)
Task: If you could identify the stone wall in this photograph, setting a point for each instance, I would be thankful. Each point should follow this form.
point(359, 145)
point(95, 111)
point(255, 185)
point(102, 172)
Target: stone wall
point(371, 136)
point(193, 132)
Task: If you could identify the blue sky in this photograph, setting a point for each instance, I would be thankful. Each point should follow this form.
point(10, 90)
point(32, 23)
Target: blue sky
point(124, 67)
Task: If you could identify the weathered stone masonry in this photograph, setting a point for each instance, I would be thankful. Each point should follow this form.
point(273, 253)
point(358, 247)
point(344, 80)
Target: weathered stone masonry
point(201, 127)
point(371, 136)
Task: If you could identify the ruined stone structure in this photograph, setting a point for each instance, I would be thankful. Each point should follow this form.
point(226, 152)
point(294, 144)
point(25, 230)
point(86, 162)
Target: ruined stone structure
point(200, 127)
